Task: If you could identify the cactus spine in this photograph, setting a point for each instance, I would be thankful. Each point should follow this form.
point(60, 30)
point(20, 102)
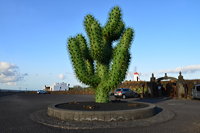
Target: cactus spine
point(97, 63)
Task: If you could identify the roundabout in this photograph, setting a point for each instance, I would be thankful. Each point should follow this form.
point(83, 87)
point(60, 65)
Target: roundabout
point(141, 115)
point(91, 111)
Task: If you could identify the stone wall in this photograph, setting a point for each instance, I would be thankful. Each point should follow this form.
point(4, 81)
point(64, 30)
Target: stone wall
point(134, 85)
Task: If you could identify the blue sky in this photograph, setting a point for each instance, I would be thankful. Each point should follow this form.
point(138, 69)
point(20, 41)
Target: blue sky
point(33, 37)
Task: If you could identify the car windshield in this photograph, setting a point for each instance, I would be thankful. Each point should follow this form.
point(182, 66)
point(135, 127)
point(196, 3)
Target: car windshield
point(118, 90)
point(198, 88)
point(125, 89)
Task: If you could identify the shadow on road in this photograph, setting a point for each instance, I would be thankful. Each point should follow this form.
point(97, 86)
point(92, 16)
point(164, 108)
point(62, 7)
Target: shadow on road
point(153, 100)
point(6, 93)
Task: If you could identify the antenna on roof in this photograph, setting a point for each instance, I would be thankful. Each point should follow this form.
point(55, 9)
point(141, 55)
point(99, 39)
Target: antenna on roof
point(135, 70)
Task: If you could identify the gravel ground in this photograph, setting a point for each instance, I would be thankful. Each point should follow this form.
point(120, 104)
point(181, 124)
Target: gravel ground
point(15, 111)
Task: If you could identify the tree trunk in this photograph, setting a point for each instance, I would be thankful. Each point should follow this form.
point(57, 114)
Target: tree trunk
point(102, 95)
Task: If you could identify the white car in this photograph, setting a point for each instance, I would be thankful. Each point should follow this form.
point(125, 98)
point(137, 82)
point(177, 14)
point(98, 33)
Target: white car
point(196, 91)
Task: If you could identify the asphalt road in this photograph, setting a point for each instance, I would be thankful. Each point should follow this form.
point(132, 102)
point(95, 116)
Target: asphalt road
point(15, 113)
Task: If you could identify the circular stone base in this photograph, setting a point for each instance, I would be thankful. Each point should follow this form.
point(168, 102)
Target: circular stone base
point(42, 117)
point(90, 111)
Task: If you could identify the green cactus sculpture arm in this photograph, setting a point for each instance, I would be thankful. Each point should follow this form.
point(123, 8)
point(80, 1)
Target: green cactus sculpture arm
point(97, 63)
point(114, 27)
point(83, 67)
point(121, 59)
point(94, 32)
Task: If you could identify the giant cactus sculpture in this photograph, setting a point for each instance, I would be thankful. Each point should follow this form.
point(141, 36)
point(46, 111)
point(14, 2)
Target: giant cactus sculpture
point(97, 63)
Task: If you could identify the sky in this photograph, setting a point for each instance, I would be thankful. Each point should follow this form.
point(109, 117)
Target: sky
point(34, 33)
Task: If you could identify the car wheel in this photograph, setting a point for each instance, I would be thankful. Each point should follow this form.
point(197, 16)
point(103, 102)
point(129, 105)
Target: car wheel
point(124, 96)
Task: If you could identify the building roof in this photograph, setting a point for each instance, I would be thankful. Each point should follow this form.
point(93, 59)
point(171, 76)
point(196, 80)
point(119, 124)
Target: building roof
point(136, 73)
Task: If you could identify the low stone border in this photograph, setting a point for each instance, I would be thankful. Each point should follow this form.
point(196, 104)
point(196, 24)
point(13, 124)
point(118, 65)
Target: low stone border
point(106, 116)
point(42, 117)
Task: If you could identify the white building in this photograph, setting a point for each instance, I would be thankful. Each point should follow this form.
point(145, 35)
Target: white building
point(59, 87)
point(136, 76)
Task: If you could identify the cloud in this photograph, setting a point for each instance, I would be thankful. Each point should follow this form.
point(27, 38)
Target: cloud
point(9, 73)
point(11, 83)
point(61, 76)
point(184, 69)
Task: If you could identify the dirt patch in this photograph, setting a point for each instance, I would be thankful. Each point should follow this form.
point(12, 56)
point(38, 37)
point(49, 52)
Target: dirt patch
point(92, 106)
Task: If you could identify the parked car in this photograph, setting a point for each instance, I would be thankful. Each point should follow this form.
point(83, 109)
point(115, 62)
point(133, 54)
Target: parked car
point(196, 91)
point(42, 92)
point(125, 93)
